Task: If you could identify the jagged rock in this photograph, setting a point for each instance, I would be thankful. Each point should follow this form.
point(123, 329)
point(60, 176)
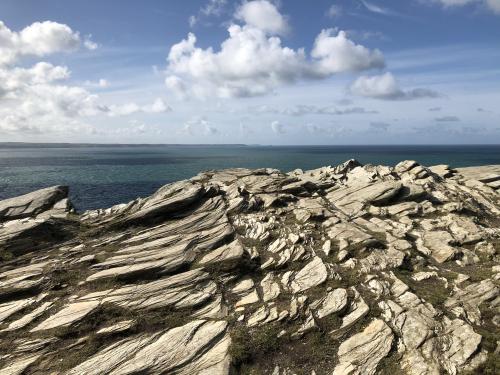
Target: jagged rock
point(32, 204)
point(379, 259)
point(163, 282)
point(115, 328)
point(28, 318)
point(459, 342)
point(361, 353)
point(226, 256)
point(333, 302)
point(349, 236)
point(442, 170)
point(314, 273)
point(270, 288)
point(438, 242)
point(199, 347)
point(354, 198)
point(9, 308)
point(19, 365)
point(465, 302)
point(357, 310)
point(68, 315)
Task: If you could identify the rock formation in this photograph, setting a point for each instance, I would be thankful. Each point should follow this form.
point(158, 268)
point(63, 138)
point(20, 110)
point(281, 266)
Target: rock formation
point(346, 270)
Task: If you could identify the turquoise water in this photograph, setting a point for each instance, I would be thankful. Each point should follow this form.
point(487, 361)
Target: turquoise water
point(100, 176)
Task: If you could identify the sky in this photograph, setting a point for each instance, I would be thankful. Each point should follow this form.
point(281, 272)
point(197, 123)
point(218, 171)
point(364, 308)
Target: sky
point(274, 72)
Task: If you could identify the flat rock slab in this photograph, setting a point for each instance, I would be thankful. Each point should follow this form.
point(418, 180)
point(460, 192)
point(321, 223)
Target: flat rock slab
point(31, 204)
point(199, 347)
point(314, 273)
point(361, 353)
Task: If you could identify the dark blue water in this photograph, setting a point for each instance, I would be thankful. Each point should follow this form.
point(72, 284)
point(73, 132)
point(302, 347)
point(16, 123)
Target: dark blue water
point(100, 176)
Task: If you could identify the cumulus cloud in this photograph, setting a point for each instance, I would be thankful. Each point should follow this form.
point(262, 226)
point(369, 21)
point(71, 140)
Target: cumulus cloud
point(447, 119)
point(232, 71)
point(386, 87)
point(336, 53)
point(37, 99)
point(39, 39)
point(263, 15)
point(277, 127)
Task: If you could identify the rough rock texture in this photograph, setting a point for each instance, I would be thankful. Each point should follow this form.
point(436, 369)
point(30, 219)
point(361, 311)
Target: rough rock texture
point(339, 270)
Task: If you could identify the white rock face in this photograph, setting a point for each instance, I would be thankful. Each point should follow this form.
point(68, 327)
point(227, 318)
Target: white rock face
point(32, 204)
point(361, 353)
point(313, 274)
point(333, 302)
point(183, 349)
point(253, 269)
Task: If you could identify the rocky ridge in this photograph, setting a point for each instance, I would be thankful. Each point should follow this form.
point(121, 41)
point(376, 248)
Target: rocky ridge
point(339, 270)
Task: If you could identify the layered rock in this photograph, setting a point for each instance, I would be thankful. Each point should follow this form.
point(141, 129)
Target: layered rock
point(348, 269)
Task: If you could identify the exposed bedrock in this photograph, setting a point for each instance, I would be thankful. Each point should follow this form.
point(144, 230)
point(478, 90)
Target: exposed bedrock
point(344, 270)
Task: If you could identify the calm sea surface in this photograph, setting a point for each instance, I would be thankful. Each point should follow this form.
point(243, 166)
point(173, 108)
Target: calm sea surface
point(100, 176)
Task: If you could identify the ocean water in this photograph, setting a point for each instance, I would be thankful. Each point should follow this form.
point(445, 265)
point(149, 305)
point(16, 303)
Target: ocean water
point(101, 175)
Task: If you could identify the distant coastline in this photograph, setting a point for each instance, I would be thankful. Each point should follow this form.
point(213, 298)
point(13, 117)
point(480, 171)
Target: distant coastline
point(82, 145)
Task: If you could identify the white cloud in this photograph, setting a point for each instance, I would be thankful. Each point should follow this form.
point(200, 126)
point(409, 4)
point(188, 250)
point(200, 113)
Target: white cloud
point(176, 85)
point(374, 8)
point(213, 8)
point(232, 71)
point(192, 20)
point(334, 11)
point(493, 5)
point(37, 99)
point(38, 39)
point(277, 127)
point(329, 131)
point(89, 44)
point(158, 106)
point(303, 109)
point(197, 125)
point(262, 15)
point(337, 54)
point(386, 87)
point(101, 83)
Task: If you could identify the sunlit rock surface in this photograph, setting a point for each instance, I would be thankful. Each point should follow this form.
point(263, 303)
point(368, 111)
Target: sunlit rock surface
point(340, 270)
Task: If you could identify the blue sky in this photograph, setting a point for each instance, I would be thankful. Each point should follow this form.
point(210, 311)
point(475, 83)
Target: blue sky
point(267, 72)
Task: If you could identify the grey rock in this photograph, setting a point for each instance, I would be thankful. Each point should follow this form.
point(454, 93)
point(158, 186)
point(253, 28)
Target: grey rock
point(32, 204)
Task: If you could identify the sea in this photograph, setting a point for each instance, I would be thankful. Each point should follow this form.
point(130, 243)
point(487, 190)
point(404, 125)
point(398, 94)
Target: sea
point(100, 176)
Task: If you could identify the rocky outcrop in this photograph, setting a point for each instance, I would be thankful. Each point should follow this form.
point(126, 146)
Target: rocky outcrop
point(33, 204)
point(345, 269)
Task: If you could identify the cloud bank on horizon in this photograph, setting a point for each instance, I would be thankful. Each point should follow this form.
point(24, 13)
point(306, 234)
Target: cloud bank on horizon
point(257, 71)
